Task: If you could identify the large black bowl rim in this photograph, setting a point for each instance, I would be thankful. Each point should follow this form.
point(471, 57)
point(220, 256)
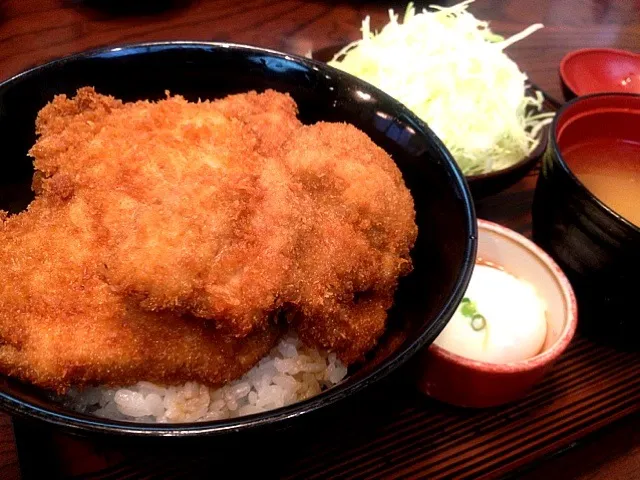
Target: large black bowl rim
point(556, 151)
point(91, 424)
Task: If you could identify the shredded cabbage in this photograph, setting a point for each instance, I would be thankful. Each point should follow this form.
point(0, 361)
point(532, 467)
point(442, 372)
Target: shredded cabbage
point(450, 69)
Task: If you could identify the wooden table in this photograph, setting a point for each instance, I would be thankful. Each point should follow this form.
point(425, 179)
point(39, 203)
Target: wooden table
point(33, 31)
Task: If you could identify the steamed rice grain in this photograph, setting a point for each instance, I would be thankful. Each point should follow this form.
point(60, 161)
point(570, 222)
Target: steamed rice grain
point(290, 373)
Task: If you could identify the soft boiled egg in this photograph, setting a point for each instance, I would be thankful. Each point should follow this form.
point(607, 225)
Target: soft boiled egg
point(500, 320)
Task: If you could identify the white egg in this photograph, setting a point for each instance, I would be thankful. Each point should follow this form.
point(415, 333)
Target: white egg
point(515, 320)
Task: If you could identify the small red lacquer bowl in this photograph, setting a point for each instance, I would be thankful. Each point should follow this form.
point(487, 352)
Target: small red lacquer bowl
point(460, 381)
point(599, 70)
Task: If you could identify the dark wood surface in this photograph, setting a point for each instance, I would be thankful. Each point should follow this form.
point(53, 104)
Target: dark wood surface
point(579, 422)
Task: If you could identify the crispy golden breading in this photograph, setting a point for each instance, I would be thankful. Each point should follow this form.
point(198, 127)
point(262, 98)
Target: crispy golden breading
point(355, 241)
point(61, 325)
point(271, 116)
point(229, 211)
point(194, 219)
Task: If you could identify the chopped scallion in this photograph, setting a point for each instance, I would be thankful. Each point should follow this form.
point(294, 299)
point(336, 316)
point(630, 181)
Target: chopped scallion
point(478, 322)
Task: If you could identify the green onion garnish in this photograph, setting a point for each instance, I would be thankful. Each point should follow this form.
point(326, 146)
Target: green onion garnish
point(468, 309)
point(478, 322)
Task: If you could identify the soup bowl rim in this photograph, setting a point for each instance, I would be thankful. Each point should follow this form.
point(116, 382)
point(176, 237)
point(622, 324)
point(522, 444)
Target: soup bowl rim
point(560, 160)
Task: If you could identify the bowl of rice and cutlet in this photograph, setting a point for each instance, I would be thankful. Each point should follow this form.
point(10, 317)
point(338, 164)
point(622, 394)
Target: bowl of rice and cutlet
point(199, 238)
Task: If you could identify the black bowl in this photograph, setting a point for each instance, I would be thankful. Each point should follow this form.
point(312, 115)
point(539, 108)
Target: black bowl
point(444, 252)
point(598, 249)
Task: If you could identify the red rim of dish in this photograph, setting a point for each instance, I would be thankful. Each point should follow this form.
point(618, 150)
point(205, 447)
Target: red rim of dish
point(568, 330)
point(575, 53)
point(556, 125)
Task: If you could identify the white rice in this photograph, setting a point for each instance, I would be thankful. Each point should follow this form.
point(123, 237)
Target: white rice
point(290, 373)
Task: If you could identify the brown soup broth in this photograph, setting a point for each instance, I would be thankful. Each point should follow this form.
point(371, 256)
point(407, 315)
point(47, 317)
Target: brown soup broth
point(610, 169)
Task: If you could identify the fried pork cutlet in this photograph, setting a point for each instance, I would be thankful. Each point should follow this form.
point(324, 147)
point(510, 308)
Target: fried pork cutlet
point(194, 219)
point(355, 240)
point(62, 325)
point(231, 211)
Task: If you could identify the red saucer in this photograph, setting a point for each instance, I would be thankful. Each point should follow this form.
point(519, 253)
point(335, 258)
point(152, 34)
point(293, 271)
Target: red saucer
point(599, 70)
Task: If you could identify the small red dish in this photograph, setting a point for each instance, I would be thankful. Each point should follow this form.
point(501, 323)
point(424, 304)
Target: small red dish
point(460, 381)
point(599, 70)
